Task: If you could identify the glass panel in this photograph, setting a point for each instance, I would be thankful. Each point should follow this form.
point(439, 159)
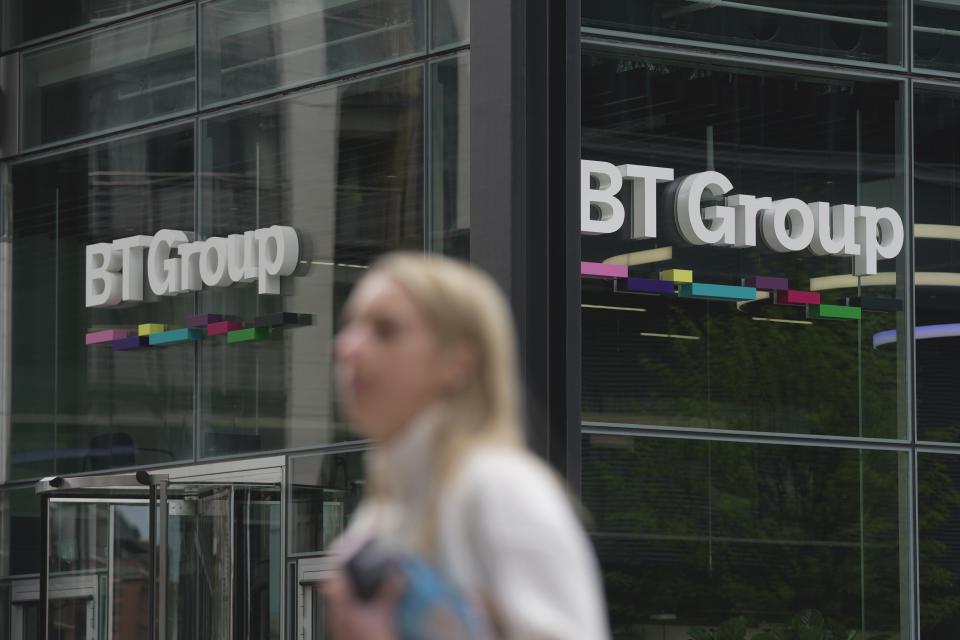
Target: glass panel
point(84, 540)
point(936, 34)
point(132, 73)
point(745, 364)
point(79, 537)
point(25, 20)
point(131, 570)
point(700, 534)
point(451, 22)
point(82, 408)
point(31, 620)
point(325, 491)
point(224, 563)
point(450, 160)
point(318, 613)
point(937, 260)
point(939, 521)
point(20, 532)
point(6, 614)
point(259, 562)
point(342, 165)
point(860, 31)
point(251, 46)
point(200, 558)
point(223, 560)
point(33, 272)
point(70, 619)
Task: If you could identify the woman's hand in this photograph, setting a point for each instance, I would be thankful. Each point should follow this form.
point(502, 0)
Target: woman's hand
point(353, 619)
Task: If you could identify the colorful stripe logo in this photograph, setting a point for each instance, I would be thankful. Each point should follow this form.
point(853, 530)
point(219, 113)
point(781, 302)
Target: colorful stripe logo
point(197, 328)
point(680, 283)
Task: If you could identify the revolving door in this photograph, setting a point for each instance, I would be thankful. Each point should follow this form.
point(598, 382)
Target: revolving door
point(137, 556)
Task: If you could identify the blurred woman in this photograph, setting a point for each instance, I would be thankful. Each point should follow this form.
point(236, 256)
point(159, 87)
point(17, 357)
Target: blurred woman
point(426, 369)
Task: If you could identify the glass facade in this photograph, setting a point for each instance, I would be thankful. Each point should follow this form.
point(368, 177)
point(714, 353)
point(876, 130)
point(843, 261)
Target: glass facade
point(937, 187)
point(342, 165)
point(780, 463)
point(26, 21)
point(77, 409)
point(751, 467)
point(936, 35)
point(749, 365)
point(347, 121)
point(134, 72)
point(325, 489)
point(939, 549)
point(252, 46)
point(869, 31)
point(693, 533)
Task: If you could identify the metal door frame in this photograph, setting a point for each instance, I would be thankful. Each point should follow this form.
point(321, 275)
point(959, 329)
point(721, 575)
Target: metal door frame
point(310, 572)
point(27, 591)
point(155, 486)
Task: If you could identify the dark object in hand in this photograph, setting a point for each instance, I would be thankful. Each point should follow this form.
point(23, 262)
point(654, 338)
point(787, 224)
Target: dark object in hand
point(368, 568)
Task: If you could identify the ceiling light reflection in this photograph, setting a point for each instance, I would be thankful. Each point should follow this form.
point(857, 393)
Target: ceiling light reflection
point(783, 320)
point(923, 332)
point(886, 279)
point(336, 264)
point(612, 308)
point(649, 256)
point(761, 295)
point(937, 231)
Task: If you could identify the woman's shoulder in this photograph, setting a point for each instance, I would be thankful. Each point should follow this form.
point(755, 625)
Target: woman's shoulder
point(508, 479)
point(494, 465)
point(514, 532)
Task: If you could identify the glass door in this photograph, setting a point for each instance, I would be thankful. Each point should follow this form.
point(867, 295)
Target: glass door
point(105, 552)
point(135, 557)
point(311, 611)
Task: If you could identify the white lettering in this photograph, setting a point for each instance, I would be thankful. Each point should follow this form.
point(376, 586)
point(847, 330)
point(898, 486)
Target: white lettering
point(604, 197)
point(132, 251)
point(190, 265)
point(835, 232)
point(103, 278)
point(163, 272)
point(777, 235)
point(879, 232)
point(690, 220)
point(242, 256)
point(277, 256)
point(213, 263)
point(747, 209)
point(114, 271)
point(644, 179)
point(790, 224)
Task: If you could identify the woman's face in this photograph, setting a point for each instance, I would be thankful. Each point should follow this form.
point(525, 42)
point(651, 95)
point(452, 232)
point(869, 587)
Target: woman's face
point(389, 364)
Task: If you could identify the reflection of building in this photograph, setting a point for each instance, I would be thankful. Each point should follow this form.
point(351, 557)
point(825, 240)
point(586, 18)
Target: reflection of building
point(211, 118)
point(746, 463)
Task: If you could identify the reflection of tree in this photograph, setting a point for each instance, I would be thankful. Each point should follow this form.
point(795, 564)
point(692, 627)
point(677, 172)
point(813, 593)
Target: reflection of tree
point(699, 532)
point(727, 549)
point(938, 513)
point(809, 624)
point(738, 373)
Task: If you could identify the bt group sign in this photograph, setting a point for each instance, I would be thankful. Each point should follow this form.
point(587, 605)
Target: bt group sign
point(176, 264)
point(786, 225)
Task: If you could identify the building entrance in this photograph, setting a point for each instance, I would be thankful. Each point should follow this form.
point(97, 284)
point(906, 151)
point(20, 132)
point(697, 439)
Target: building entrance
point(143, 555)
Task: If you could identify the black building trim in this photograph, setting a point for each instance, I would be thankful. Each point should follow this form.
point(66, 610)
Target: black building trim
point(524, 202)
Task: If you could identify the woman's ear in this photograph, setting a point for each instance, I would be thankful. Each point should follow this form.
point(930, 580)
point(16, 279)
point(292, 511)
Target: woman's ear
point(459, 362)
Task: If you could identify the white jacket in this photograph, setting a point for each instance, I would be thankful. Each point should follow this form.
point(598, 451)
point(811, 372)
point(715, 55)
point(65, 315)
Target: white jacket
point(506, 534)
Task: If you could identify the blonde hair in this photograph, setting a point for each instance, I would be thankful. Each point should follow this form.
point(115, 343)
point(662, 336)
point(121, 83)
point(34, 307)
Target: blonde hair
point(463, 306)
